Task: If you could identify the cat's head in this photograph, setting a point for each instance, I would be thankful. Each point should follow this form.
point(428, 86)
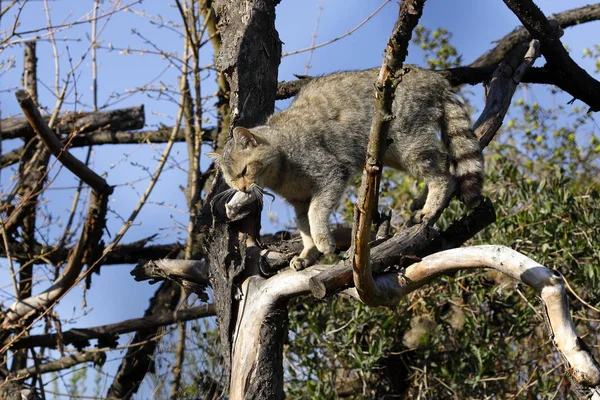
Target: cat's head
point(247, 160)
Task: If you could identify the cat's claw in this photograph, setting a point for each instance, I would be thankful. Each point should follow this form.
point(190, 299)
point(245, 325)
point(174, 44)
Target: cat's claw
point(299, 263)
point(421, 217)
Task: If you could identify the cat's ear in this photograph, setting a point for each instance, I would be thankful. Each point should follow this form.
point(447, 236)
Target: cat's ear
point(244, 138)
point(213, 155)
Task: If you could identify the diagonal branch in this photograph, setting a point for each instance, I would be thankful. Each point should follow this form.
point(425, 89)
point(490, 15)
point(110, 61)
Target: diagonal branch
point(505, 45)
point(390, 76)
point(502, 87)
point(22, 310)
point(56, 147)
point(579, 83)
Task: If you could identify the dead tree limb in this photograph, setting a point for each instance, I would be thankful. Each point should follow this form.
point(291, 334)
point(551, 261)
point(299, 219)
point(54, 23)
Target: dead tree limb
point(505, 45)
point(191, 275)
point(502, 87)
point(57, 148)
point(107, 334)
point(390, 76)
point(405, 248)
point(579, 83)
point(549, 285)
point(24, 309)
point(123, 119)
point(98, 358)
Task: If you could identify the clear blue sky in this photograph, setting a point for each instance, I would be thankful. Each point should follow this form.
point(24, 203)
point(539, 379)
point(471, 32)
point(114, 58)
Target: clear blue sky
point(115, 296)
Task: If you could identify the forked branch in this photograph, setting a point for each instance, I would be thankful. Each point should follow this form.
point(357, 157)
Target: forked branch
point(579, 83)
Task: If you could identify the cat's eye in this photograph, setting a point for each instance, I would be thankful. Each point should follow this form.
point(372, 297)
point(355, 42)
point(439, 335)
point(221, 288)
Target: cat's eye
point(244, 171)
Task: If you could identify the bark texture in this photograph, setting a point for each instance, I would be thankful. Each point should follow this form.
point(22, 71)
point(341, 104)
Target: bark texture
point(249, 57)
point(390, 76)
point(113, 120)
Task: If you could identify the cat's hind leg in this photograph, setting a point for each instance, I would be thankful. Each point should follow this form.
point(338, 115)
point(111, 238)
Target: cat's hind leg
point(432, 166)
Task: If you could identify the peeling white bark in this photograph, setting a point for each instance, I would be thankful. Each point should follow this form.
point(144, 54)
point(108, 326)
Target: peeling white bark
point(548, 283)
point(259, 297)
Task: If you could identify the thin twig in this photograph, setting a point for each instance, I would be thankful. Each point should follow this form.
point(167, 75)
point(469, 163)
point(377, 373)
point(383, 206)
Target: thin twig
point(13, 276)
point(179, 358)
point(351, 31)
point(314, 37)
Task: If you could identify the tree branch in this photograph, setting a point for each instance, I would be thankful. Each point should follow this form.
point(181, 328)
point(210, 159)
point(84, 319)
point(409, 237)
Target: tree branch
point(405, 248)
point(390, 76)
point(107, 334)
point(98, 358)
point(113, 120)
point(577, 81)
point(505, 45)
point(56, 147)
point(549, 285)
point(501, 90)
point(192, 275)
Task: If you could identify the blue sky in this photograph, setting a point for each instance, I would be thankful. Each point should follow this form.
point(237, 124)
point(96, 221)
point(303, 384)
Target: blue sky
point(475, 24)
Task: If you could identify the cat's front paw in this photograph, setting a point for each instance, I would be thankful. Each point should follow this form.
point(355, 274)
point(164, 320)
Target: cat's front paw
point(324, 243)
point(299, 263)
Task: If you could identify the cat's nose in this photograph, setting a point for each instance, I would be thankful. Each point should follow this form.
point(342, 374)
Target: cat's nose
point(243, 189)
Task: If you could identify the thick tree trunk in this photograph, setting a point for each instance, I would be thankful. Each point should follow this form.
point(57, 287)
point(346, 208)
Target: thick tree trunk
point(249, 58)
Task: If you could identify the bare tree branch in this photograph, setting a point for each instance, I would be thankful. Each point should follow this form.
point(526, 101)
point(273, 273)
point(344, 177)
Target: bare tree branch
point(56, 147)
point(112, 120)
point(505, 45)
point(549, 285)
point(98, 358)
point(501, 90)
point(107, 334)
point(405, 248)
point(389, 78)
point(579, 83)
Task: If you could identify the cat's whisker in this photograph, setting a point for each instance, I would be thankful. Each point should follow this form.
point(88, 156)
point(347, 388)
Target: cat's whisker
point(257, 193)
point(225, 195)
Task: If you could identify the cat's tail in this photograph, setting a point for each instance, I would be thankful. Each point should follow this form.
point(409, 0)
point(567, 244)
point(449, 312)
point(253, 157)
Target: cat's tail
point(464, 151)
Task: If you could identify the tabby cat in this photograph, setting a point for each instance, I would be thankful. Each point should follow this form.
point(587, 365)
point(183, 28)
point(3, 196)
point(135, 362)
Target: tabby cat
point(309, 152)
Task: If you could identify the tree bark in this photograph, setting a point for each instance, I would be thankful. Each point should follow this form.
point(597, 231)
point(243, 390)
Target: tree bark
point(249, 57)
point(107, 334)
point(113, 120)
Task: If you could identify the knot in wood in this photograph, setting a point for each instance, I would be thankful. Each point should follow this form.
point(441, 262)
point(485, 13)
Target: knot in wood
point(373, 168)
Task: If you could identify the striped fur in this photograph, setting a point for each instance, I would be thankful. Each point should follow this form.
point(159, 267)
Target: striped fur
point(309, 152)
